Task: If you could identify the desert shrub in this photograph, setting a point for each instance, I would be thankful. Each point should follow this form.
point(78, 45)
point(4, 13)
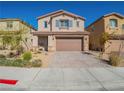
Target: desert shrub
point(2, 56)
point(114, 59)
point(36, 63)
point(27, 56)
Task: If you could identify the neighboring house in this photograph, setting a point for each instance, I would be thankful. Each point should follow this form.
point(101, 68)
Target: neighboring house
point(61, 31)
point(113, 24)
point(14, 25)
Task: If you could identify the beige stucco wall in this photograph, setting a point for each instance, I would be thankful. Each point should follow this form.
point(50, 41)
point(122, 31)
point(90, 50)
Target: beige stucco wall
point(51, 43)
point(41, 24)
point(35, 41)
point(54, 28)
point(114, 45)
point(86, 43)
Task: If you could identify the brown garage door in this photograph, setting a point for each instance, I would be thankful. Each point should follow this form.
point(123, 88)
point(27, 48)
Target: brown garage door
point(69, 44)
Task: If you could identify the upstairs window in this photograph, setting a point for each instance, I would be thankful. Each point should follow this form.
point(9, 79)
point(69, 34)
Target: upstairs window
point(45, 24)
point(9, 24)
point(57, 23)
point(78, 23)
point(63, 23)
point(113, 23)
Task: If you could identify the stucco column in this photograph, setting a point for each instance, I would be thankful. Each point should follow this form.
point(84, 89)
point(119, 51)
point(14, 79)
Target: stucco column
point(86, 43)
point(51, 43)
point(35, 41)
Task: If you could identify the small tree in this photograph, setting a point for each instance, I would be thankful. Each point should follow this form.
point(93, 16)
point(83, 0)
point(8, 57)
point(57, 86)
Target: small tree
point(104, 38)
point(6, 40)
point(12, 38)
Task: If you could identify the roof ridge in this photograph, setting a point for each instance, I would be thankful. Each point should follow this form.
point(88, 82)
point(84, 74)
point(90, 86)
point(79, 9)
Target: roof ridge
point(114, 13)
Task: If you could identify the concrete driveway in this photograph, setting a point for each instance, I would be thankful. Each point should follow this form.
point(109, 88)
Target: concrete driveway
point(75, 60)
point(67, 71)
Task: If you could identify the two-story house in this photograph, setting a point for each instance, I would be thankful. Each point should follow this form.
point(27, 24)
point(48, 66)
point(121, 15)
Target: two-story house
point(61, 31)
point(113, 24)
point(15, 25)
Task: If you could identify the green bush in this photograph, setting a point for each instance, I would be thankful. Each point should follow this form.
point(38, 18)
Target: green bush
point(114, 59)
point(27, 56)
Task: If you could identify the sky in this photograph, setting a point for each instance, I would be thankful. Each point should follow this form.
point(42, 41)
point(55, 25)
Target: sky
point(30, 10)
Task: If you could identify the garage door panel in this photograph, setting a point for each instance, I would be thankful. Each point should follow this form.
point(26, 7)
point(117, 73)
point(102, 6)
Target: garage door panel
point(69, 44)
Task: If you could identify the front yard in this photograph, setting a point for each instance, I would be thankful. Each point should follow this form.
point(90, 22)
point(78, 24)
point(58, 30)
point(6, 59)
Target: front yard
point(26, 59)
point(15, 51)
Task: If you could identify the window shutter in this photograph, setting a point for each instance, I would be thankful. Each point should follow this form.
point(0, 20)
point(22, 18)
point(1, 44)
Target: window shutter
point(45, 24)
point(57, 23)
point(70, 23)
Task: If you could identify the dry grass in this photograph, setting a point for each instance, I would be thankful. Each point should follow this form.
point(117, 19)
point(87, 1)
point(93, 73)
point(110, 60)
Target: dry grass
point(44, 56)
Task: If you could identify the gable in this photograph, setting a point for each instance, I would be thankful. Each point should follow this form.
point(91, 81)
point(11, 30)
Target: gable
point(112, 17)
point(61, 12)
point(64, 16)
